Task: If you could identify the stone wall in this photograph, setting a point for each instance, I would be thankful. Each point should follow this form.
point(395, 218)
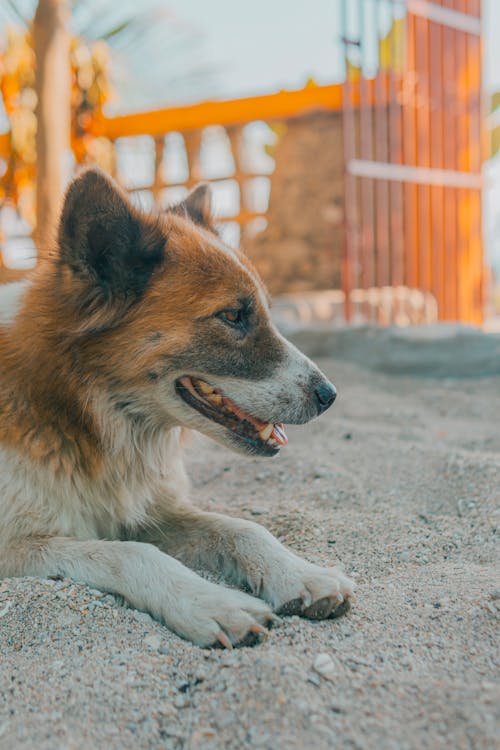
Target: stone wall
point(301, 248)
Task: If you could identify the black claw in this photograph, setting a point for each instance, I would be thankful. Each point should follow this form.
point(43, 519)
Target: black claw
point(251, 639)
point(319, 610)
point(293, 607)
point(342, 609)
point(217, 645)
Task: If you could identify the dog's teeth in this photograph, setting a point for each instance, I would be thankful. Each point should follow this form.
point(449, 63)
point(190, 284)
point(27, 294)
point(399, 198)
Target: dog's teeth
point(265, 433)
point(279, 434)
point(205, 387)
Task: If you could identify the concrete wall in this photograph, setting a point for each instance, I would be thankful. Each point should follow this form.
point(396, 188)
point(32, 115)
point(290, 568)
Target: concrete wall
point(302, 245)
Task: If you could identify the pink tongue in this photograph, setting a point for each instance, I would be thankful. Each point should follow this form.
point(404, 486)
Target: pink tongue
point(278, 433)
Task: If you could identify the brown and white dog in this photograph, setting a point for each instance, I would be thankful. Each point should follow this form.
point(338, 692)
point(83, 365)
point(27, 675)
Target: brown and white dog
point(134, 329)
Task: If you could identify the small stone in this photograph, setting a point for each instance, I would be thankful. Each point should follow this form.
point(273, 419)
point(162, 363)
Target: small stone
point(181, 701)
point(153, 642)
point(5, 609)
point(257, 510)
point(200, 673)
point(141, 616)
point(225, 719)
point(324, 666)
point(314, 678)
point(163, 649)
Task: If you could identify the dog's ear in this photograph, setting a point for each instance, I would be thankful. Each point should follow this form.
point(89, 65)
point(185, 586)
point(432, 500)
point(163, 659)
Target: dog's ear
point(103, 238)
point(197, 206)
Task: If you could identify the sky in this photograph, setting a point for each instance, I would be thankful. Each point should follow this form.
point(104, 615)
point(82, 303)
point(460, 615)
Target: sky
point(193, 49)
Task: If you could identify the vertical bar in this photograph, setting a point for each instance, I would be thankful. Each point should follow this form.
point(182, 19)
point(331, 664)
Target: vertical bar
point(475, 152)
point(410, 157)
point(438, 224)
point(381, 186)
point(236, 141)
point(423, 150)
point(367, 188)
point(396, 211)
point(449, 309)
point(462, 163)
point(192, 144)
point(349, 139)
point(158, 173)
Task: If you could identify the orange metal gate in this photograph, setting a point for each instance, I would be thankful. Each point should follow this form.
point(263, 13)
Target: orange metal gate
point(413, 152)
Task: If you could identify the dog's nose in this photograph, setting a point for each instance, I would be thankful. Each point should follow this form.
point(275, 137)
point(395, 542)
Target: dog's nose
point(325, 396)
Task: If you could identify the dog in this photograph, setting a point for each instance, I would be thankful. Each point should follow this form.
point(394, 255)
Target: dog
point(134, 330)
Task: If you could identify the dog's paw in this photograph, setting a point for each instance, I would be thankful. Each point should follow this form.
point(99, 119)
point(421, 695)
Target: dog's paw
point(218, 616)
point(310, 591)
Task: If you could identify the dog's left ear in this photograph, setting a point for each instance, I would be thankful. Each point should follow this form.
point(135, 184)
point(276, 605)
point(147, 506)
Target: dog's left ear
point(197, 206)
point(105, 241)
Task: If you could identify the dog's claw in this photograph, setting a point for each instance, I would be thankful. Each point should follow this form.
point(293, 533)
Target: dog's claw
point(224, 640)
point(259, 630)
point(271, 621)
point(342, 609)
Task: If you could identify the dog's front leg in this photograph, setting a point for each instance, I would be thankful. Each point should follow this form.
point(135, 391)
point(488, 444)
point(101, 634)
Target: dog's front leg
point(150, 580)
point(245, 553)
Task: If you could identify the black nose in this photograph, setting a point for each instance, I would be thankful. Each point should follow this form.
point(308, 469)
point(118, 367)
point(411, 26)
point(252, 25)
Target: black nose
point(325, 396)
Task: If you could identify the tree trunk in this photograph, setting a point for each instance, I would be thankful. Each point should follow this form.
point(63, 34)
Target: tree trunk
point(53, 87)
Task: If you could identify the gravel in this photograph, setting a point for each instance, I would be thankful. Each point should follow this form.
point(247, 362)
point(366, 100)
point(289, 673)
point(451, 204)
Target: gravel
point(401, 482)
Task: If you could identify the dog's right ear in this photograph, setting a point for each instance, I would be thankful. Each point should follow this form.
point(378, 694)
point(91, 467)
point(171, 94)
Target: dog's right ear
point(104, 240)
point(197, 206)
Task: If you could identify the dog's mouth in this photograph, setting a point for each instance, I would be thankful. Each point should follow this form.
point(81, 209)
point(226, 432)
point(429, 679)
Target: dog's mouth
point(260, 437)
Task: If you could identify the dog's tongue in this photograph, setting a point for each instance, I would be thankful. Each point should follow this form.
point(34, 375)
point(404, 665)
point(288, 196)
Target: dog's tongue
point(278, 433)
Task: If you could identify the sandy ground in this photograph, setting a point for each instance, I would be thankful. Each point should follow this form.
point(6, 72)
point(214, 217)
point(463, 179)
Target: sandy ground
point(401, 482)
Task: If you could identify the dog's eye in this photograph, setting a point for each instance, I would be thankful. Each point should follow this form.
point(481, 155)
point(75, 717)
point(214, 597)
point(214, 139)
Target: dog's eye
point(232, 317)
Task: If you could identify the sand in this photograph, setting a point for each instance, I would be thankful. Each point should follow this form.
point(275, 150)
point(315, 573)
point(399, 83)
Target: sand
point(401, 482)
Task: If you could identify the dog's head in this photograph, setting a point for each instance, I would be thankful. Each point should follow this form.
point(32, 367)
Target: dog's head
point(174, 324)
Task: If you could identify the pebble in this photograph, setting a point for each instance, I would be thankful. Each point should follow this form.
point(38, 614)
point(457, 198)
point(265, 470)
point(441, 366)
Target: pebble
point(324, 666)
point(257, 510)
point(314, 678)
point(153, 642)
point(141, 616)
point(5, 609)
point(200, 673)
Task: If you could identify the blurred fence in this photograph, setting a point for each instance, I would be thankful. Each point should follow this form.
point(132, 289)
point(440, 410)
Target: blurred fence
point(413, 151)
point(411, 204)
point(162, 154)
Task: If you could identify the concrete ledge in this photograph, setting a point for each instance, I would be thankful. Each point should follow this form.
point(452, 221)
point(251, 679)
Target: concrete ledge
point(440, 350)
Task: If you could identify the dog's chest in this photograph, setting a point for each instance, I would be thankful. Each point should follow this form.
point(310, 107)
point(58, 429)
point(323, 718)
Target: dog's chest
point(34, 500)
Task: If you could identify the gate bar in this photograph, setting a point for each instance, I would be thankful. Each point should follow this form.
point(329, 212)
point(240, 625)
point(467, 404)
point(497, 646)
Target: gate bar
point(417, 175)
